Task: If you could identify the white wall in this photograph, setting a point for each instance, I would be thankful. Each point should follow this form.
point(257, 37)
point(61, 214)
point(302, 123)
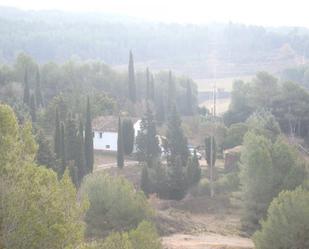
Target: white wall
point(107, 142)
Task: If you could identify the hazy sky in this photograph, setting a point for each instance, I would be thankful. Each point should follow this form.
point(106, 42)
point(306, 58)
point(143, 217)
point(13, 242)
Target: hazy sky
point(260, 12)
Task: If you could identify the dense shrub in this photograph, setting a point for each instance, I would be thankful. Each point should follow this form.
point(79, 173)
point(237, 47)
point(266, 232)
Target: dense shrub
point(287, 223)
point(114, 204)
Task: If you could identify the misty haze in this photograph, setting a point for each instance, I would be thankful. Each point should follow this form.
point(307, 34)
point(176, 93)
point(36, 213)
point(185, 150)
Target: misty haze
point(154, 124)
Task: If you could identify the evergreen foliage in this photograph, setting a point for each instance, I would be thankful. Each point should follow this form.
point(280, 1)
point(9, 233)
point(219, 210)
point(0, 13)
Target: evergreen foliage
point(147, 144)
point(193, 170)
point(287, 223)
point(57, 136)
point(267, 168)
point(32, 108)
point(114, 204)
point(131, 79)
point(189, 98)
point(120, 146)
point(128, 136)
point(177, 142)
point(88, 139)
point(171, 93)
point(26, 97)
point(38, 91)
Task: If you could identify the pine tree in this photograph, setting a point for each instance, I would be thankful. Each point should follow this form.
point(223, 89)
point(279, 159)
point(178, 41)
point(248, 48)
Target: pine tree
point(132, 87)
point(57, 136)
point(147, 143)
point(88, 140)
point(177, 142)
point(128, 136)
point(38, 91)
point(189, 98)
point(26, 98)
point(171, 93)
point(62, 150)
point(120, 151)
point(32, 108)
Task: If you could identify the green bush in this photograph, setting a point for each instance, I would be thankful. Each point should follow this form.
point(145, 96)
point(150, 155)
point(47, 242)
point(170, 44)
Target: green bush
point(287, 223)
point(114, 204)
point(144, 236)
point(227, 183)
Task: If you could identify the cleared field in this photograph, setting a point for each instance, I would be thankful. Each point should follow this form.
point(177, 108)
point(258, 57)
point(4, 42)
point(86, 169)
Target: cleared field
point(223, 83)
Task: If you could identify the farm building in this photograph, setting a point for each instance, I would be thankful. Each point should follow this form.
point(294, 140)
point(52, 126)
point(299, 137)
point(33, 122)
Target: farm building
point(105, 132)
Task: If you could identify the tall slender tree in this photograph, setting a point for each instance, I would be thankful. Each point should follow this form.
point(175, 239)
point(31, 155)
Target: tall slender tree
point(177, 142)
point(171, 93)
point(88, 139)
point(38, 90)
point(120, 151)
point(131, 79)
point(62, 150)
point(148, 149)
point(80, 156)
point(57, 136)
point(147, 84)
point(189, 98)
point(26, 98)
point(128, 136)
point(152, 88)
point(32, 108)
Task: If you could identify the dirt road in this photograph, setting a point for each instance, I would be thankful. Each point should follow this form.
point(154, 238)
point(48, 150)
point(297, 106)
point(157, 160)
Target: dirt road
point(206, 241)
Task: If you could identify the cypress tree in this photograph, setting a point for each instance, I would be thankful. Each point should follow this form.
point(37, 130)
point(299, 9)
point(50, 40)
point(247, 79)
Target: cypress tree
point(88, 140)
point(38, 91)
point(171, 92)
point(32, 108)
point(70, 138)
point(177, 142)
point(128, 136)
point(151, 88)
point(80, 156)
point(160, 111)
point(120, 152)
point(177, 184)
point(147, 84)
point(189, 98)
point(26, 98)
point(132, 87)
point(57, 136)
point(147, 143)
point(62, 149)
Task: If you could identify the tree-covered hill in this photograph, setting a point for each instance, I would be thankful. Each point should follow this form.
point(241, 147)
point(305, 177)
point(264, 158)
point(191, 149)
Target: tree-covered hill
point(190, 49)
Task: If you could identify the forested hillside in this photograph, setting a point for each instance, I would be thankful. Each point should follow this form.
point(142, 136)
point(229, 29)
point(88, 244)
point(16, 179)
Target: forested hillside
point(238, 49)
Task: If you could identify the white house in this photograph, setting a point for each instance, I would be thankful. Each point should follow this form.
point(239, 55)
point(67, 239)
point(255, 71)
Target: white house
point(105, 133)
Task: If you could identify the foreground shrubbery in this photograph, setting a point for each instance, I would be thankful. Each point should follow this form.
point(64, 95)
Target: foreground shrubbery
point(287, 223)
point(36, 209)
point(114, 204)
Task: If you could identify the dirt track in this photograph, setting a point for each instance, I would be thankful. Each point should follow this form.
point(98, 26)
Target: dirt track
point(206, 241)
